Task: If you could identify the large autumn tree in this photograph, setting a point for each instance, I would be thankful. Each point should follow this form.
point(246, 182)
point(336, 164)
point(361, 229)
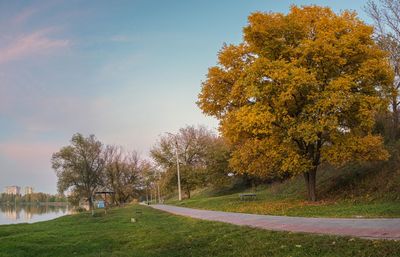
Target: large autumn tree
point(302, 89)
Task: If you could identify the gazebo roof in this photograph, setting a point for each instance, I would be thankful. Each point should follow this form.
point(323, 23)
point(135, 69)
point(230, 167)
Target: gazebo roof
point(104, 190)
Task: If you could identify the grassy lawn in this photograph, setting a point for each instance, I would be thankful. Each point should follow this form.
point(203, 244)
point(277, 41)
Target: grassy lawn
point(350, 192)
point(267, 204)
point(159, 234)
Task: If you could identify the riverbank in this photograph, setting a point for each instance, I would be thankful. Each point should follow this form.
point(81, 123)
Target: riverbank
point(33, 212)
point(157, 233)
point(35, 203)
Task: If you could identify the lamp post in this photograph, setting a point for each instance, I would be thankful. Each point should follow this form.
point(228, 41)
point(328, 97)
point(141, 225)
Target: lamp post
point(177, 166)
point(157, 186)
point(158, 191)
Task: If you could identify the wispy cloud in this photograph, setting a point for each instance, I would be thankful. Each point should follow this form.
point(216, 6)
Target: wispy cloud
point(27, 152)
point(35, 43)
point(123, 39)
point(60, 113)
point(24, 16)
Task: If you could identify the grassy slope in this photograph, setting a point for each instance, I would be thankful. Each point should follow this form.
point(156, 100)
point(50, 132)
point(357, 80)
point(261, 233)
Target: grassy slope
point(160, 234)
point(367, 191)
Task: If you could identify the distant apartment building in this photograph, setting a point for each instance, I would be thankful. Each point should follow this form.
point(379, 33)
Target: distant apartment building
point(13, 190)
point(12, 214)
point(28, 190)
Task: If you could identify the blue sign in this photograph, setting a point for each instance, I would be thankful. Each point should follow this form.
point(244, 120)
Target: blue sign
point(100, 204)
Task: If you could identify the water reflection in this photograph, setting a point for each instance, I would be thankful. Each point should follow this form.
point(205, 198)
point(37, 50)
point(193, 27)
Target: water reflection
point(11, 214)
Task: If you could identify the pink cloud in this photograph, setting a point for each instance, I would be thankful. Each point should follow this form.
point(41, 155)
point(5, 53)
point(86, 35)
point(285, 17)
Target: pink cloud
point(23, 16)
point(30, 152)
point(34, 43)
point(38, 114)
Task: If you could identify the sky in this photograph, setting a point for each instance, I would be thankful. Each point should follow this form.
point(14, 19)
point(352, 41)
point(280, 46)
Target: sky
point(125, 71)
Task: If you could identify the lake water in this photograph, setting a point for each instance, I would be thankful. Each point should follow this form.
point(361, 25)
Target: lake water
point(13, 214)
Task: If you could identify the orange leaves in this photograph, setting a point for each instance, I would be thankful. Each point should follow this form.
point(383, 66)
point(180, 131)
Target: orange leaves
point(233, 57)
point(258, 157)
point(250, 120)
point(301, 85)
point(268, 158)
point(213, 98)
point(355, 148)
point(265, 28)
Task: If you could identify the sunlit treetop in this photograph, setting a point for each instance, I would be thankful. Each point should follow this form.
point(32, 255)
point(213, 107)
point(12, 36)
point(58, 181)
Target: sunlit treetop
point(300, 89)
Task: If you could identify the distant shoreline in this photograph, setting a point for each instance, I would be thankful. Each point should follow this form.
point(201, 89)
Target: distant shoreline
point(37, 203)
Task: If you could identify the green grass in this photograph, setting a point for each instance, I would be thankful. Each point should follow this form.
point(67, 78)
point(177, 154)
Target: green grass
point(367, 191)
point(266, 204)
point(160, 234)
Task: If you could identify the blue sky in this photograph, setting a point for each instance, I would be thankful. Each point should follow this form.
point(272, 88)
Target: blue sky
point(126, 71)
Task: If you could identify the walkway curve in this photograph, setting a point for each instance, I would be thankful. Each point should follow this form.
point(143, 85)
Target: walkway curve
point(364, 228)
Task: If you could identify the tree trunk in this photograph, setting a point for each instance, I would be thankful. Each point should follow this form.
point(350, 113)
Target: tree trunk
point(188, 193)
point(310, 179)
point(90, 203)
point(151, 197)
point(307, 181)
point(91, 207)
point(395, 118)
point(114, 199)
point(253, 185)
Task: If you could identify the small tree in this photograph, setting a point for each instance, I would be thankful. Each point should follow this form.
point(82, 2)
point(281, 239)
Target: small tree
point(301, 89)
point(191, 143)
point(123, 174)
point(387, 34)
point(80, 166)
point(216, 159)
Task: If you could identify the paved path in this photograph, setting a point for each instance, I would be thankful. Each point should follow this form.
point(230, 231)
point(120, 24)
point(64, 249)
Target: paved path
point(365, 228)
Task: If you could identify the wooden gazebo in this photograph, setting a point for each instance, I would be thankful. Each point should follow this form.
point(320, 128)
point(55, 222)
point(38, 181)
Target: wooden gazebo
point(104, 192)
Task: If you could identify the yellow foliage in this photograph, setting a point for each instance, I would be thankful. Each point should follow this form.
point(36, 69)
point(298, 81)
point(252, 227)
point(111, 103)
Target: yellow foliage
point(301, 89)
